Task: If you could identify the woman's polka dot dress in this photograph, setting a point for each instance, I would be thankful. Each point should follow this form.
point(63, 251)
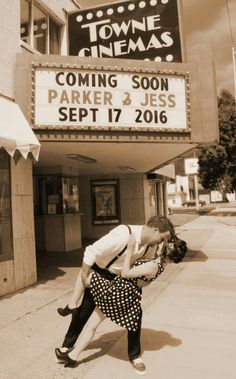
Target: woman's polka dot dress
point(120, 299)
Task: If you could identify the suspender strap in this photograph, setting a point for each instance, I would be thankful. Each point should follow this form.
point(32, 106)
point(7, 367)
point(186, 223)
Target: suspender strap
point(146, 250)
point(119, 254)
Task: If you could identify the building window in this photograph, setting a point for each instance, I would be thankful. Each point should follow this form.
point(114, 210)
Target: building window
point(38, 29)
point(54, 38)
point(56, 195)
point(6, 244)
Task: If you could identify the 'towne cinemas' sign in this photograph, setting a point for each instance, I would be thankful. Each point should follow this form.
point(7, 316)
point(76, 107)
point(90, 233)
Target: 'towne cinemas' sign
point(133, 29)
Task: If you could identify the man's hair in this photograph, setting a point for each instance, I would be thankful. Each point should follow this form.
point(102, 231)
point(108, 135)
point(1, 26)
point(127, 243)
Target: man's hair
point(162, 223)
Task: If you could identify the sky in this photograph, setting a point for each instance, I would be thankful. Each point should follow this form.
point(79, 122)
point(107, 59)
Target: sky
point(208, 22)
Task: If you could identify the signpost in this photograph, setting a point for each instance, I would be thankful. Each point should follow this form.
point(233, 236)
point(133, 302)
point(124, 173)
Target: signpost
point(191, 168)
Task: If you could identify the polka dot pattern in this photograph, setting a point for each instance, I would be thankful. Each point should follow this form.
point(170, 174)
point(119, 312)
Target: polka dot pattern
point(120, 299)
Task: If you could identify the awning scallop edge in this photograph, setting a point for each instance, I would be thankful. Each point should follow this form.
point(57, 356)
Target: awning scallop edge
point(15, 131)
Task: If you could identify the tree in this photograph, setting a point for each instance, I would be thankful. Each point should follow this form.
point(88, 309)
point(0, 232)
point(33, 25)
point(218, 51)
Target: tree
point(217, 162)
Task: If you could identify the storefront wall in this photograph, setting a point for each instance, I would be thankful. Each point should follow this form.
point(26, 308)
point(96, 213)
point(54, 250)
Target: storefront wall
point(23, 224)
point(9, 44)
point(20, 270)
point(137, 202)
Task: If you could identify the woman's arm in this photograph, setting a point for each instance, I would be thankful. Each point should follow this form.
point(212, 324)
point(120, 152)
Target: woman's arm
point(147, 269)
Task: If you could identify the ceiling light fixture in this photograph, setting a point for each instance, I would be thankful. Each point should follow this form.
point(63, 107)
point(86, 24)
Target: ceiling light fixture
point(81, 158)
point(126, 168)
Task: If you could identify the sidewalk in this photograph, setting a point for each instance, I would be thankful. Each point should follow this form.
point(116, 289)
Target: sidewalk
point(189, 328)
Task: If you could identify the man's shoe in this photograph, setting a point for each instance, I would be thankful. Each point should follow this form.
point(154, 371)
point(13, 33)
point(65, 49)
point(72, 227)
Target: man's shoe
point(66, 311)
point(61, 354)
point(139, 366)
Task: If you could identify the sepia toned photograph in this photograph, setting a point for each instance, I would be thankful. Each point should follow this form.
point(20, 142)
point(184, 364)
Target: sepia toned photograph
point(117, 189)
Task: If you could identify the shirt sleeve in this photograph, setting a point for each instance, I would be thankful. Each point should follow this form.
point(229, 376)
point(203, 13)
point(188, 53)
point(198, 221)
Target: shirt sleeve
point(107, 247)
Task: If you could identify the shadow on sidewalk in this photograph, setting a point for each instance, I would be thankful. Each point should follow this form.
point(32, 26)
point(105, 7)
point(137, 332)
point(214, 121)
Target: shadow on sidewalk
point(152, 340)
point(49, 265)
point(195, 256)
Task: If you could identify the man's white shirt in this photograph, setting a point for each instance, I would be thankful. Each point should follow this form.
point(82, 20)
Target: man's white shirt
point(107, 247)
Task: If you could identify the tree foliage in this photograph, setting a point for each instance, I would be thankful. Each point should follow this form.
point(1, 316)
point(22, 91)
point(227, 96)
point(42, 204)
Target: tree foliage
point(217, 162)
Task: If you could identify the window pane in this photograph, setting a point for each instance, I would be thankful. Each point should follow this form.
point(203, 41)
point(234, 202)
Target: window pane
point(5, 206)
point(40, 30)
point(70, 189)
point(25, 21)
point(54, 37)
point(56, 195)
point(48, 195)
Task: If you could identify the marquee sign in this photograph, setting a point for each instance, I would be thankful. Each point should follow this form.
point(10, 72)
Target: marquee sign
point(133, 30)
point(105, 98)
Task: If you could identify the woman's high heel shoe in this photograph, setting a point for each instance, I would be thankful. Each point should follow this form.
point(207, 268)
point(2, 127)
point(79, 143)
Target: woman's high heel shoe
point(70, 362)
point(66, 311)
point(63, 357)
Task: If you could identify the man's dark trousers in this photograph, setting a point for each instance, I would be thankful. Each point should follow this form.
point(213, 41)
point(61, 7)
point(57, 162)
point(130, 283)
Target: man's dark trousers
point(80, 318)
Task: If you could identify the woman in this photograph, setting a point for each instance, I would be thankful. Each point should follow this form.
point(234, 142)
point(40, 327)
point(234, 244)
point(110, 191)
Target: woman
point(118, 299)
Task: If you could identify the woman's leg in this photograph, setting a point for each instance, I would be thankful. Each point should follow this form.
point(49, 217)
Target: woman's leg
point(87, 333)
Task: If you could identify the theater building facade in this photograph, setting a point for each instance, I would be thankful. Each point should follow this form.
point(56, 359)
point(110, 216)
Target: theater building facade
point(105, 120)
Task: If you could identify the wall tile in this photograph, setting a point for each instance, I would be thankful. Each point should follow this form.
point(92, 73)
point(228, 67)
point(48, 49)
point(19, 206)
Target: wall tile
point(22, 216)
point(7, 282)
point(24, 262)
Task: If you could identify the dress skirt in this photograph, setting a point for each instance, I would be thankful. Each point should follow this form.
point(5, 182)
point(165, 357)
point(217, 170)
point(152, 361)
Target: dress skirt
point(119, 299)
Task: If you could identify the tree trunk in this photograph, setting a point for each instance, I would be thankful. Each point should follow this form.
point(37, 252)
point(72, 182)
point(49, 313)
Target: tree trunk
point(224, 197)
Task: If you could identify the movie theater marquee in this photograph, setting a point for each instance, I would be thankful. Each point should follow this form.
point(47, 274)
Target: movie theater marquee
point(105, 99)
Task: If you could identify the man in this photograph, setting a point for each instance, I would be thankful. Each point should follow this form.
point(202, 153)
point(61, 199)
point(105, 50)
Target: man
point(106, 256)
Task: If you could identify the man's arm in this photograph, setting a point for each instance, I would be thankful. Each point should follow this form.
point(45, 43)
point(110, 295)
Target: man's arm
point(114, 241)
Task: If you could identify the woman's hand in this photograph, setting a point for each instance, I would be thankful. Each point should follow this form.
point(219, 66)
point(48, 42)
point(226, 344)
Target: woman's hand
point(142, 283)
